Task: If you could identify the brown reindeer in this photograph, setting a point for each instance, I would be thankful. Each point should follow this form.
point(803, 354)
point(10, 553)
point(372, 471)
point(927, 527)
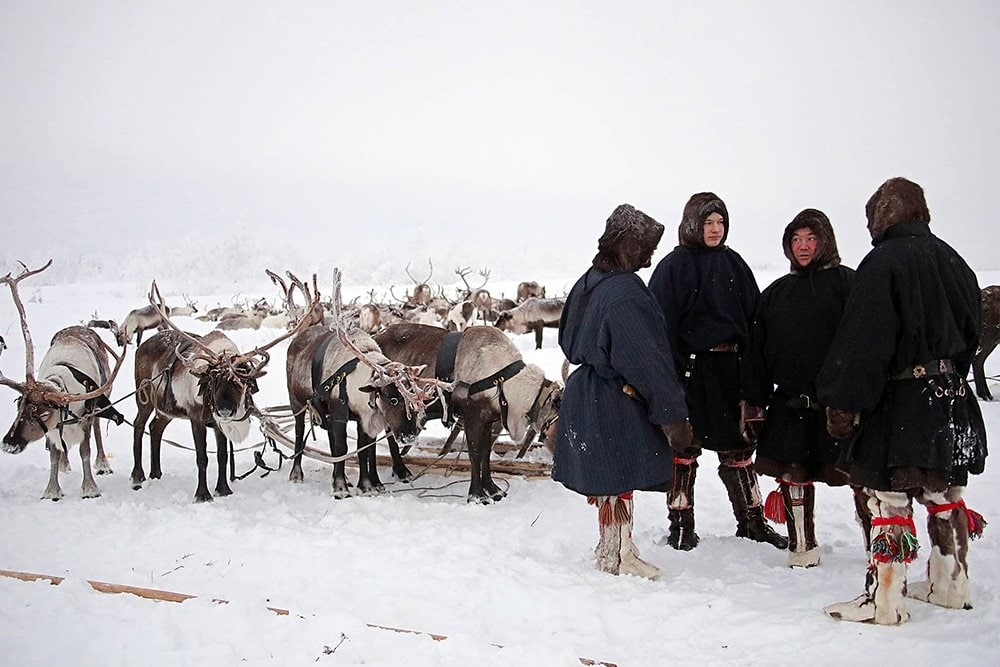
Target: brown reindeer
point(203, 379)
point(988, 340)
point(63, 401)
point(493, 387)
point(534, 315)
point(528, 289)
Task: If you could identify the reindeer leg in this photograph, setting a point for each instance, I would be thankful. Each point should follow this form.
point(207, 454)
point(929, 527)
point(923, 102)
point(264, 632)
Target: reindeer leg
point(138, 476)
point(101, 465)
point(489, 486)
point(89, 488)
point(338, 447)
point(222, 457)
point(399, 469)
point(199, 432)
point(295, 475)
point(156, 428)
point(477, 436)
point(52, 491)
point(539, 334)
point(368, 479)
point(978, 369)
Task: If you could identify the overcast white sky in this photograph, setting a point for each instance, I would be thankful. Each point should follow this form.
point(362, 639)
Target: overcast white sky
point(310, 132)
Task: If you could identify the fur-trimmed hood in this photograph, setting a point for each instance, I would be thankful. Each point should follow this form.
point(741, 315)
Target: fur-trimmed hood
point(691, 233)
point(629, 240)
point(897, 200)
point(827, 255)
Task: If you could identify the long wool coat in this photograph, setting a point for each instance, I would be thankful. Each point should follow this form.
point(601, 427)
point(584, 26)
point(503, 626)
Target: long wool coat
point(708, 296)
point(914, 300)
point(608, 442)
point(796, 318)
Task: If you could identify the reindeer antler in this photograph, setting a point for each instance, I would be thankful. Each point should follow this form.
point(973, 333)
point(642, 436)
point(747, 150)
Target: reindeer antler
point(157, 302)
point(416, 400)
point(29, 347)
point(420, 282)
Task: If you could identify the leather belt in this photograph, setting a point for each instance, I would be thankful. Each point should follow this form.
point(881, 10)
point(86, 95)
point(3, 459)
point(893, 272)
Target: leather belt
point(933, 367)
point(724, 347)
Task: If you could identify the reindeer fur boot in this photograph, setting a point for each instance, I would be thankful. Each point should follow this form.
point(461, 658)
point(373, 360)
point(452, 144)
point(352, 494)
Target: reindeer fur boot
point(894, 544)
point(948, 524)
point(680, 505)
point(800, 502)
point(737, 473)
point(616, 553)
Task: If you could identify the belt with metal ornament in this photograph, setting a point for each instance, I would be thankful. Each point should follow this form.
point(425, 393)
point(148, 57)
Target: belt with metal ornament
point(803, 402)
point(928, 368)
point(724, 347)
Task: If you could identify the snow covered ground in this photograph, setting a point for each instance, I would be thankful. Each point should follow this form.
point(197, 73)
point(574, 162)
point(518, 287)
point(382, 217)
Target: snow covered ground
point(508, 584)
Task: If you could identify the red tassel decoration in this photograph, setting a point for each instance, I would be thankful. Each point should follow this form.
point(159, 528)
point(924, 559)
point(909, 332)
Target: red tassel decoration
point(774, 506)
point(976, 523)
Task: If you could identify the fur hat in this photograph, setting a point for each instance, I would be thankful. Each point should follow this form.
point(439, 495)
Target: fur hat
point(701, 205)
point(897, 200)
point(827, 254)
point(629, 240)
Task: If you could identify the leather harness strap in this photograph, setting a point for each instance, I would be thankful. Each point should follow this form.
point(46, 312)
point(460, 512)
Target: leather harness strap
point(444, 370)
point(323, 388)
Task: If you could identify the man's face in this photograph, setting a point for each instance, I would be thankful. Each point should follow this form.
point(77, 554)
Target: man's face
point(804, 244)
point(713, 230)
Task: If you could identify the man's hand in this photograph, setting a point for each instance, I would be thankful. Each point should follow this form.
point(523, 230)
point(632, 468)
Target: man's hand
point(679, 434)
point(751, 422)
point(841, 423)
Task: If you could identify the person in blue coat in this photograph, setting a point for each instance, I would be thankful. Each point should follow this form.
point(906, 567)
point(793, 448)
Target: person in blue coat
point(622, 408)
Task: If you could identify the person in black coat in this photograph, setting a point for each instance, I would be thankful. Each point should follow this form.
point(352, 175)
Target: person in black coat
point(792, 329)
point(708, 294)
point(622, 407)
point(894, 383)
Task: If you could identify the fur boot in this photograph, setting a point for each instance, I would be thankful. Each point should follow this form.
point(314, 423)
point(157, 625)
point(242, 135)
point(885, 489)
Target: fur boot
point(894, 545)
point(947, 583)
point(800, 502)
point(680, 505)
point(863, 515)
point(616, 553)
point(737, 473)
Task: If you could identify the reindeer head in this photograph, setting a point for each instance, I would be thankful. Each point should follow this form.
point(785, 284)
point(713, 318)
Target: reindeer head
point(42, 404)
point(226, 382)
point(399, 396)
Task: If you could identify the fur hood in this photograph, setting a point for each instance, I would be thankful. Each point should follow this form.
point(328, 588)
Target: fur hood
point(827, 255)
point(629, 240)
point(897, 200)
point(700, 206)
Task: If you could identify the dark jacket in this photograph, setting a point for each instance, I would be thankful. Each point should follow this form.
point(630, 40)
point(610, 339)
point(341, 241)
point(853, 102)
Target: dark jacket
point(607, 442)
point(793, 328)
point(914, 300)
point(708, 297)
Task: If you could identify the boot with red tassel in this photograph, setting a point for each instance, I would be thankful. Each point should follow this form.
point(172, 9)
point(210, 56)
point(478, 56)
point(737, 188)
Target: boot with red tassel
point(950, 524)
point(793, 504)
point(893, 545)
point(616, 553)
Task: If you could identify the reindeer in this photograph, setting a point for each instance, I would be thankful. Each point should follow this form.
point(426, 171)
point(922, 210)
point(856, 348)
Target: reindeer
point(248, 320)
point(63, 402)
point(340, 379)
point(526, 290)
point(534, 315)
point(989, 338)
point(138, 321)
point(187, 310)
point(203, 379)
point(493, 387)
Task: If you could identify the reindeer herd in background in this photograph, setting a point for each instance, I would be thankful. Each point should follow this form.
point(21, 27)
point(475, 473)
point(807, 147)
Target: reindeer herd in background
point(386, 368)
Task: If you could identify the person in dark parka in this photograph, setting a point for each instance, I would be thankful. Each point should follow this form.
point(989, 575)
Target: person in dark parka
point(793, 326)
point(894, 383)
point(623, 406)
point(708, 294)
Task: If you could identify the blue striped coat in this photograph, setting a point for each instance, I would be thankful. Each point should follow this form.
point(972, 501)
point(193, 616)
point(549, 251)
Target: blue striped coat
point(608, 442)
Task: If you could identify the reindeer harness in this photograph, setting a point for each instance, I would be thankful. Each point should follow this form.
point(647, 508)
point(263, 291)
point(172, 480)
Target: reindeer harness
point(445, 371)
point(323, 388)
